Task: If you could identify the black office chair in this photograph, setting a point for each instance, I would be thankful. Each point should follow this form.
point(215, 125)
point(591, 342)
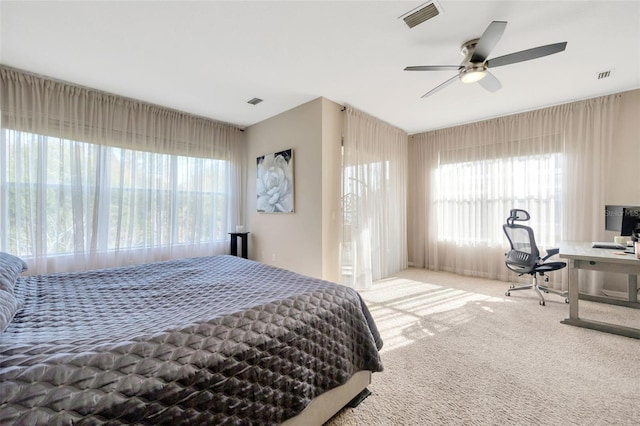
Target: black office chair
point(524, 256)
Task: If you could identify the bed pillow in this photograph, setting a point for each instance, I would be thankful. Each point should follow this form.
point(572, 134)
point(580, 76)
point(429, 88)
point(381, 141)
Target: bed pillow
point(10, 267)
point(9, 305)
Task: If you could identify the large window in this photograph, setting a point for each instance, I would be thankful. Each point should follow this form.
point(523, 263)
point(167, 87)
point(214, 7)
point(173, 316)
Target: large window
point(61, 197)
point(90, 179)
point(551, 162)
point(473, 198)
point(374, 188)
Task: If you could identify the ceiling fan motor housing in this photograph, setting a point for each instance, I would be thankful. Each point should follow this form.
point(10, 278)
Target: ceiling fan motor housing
point(467, 50)
point(470, 72)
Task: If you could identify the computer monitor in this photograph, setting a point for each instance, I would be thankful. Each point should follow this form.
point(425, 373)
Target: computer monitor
point(630, 220)
point(613, 217)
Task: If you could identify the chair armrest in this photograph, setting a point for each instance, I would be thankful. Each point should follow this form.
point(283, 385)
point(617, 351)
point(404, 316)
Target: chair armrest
point(551, 252)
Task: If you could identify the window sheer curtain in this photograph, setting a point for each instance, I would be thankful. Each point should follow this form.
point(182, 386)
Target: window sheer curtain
point(91, 180)
point(374, 194)
point(465, 179)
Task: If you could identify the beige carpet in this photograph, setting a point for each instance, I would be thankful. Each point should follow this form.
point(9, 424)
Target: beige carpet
point(459, 352)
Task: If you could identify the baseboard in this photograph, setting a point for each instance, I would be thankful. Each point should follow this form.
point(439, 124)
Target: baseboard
point(614, 293)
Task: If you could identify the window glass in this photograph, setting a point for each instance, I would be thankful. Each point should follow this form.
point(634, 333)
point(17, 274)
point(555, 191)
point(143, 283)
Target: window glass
point(473, 198)
point(61, 196)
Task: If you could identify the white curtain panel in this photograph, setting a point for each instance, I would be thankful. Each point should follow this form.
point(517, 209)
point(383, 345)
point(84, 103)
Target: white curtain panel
point(91, 180)
point(465, 179)
point(374, 194)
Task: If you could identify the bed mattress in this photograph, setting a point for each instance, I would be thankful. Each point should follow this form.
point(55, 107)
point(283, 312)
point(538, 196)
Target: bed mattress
point(210, 340)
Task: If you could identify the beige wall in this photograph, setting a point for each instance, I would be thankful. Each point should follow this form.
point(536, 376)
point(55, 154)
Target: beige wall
point(332, 124)
point(305, 241)
point(623, 180)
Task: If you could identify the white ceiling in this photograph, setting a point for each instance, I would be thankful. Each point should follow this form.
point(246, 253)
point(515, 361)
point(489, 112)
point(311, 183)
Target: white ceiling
point(210, 57)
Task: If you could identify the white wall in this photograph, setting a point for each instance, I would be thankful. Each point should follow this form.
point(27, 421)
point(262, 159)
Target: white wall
point(304, 241)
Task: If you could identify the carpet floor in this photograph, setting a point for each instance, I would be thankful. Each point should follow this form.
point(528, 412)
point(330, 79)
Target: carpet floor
point(457, 351)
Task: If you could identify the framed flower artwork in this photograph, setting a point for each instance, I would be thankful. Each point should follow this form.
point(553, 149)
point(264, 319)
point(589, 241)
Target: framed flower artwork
point(274, 183)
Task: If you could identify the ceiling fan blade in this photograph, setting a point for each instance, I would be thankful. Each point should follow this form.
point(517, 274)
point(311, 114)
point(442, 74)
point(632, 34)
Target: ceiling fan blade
point(433, 68)
point(490, 82)
point(526, 55)
point(488, 41)
point(441, 86)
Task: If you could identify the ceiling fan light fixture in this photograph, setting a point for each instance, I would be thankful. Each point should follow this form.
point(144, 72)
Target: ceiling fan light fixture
point(472, 75)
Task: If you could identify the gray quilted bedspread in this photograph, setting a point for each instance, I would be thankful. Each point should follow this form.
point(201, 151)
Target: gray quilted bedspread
point(212, 340)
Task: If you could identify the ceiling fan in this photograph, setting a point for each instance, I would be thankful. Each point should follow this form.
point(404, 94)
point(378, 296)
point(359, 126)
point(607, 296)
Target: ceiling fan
point(474, 66)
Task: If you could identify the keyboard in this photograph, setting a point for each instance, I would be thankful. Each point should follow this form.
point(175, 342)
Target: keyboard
point(607, 245)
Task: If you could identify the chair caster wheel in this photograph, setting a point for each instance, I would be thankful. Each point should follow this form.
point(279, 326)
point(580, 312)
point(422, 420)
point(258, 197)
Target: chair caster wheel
point(542, 304)
point(566, 300)
point(506, 293)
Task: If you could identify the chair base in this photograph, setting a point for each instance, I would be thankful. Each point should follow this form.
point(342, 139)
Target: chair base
point(538, 288)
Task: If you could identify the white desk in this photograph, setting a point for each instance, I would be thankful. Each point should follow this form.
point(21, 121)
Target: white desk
point(581, 255)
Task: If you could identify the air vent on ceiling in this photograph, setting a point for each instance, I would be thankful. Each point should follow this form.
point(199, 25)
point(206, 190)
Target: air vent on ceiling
point(421, 13)
point(254, 101)
point(604, 74)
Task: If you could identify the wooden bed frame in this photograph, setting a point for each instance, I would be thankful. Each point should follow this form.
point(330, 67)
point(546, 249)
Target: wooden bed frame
point(325, 406)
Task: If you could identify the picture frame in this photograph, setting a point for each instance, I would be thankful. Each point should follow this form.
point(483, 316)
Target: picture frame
point(275, 182)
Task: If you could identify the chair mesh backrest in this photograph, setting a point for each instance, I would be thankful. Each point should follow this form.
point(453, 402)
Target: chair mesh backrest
point(524, 253)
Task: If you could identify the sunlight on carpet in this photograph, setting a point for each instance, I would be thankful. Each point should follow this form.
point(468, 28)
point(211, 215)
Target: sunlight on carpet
point(399, 306)
point(458, 351)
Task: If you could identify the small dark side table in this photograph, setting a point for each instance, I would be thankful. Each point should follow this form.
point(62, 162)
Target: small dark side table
point(234, 243)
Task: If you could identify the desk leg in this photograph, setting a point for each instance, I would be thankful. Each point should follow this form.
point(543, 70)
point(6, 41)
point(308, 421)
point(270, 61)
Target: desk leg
point(573, 289)
point(633, 288)
point(591, 324)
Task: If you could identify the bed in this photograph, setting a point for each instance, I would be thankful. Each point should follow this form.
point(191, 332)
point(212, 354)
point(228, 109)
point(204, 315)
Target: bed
point(207, 340)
